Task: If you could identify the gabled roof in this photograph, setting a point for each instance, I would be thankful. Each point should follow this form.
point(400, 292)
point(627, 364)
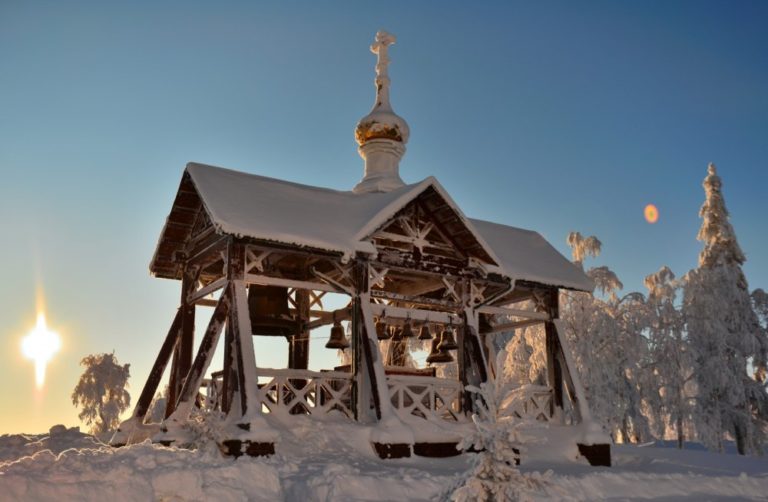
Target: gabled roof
point(526, 255)
point(268, 209)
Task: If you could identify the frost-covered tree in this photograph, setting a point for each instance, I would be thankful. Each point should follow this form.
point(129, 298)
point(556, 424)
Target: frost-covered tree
point(605, 332)
point(498, 439)
point(671, 364)
point(100, 393)
point(724, 332)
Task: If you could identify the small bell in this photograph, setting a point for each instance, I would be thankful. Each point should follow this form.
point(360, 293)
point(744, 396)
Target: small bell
point(447, 342)
point(424, 333)
point(438, 356)
point(382, 333)
point(407, 330)
point(338, 339)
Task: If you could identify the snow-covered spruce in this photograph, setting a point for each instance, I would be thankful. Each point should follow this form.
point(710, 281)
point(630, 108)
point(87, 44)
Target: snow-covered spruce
point(499, 442)
point(724, 333)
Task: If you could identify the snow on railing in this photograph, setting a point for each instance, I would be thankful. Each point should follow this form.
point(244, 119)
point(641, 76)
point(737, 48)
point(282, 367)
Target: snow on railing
point(426, 397)
point(529, 401)
point(304, 392)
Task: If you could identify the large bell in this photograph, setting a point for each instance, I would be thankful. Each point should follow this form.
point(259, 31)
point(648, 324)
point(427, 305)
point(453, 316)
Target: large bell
point(268, 308)
point(407, 330)
point(424, 333)
point(382, 330)
point(438, 356)
point(338, 339)
point(447, 342)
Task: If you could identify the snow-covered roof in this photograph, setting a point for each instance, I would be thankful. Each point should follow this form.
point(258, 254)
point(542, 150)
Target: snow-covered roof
point(526, 255)
point(268, 209)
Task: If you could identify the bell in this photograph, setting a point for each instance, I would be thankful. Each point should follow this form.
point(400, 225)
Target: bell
point(407, 330)
point(382, 333)
point(424, 333)
point(338, 339)
point(447, 341)
point(397, 334)
point(268, 309)
point(438, 356)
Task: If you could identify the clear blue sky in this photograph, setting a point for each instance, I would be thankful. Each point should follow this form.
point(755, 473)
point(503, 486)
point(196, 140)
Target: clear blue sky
point(555, 116)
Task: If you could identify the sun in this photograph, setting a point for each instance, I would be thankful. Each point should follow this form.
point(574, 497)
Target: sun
point(40, 345)
point(651, 213)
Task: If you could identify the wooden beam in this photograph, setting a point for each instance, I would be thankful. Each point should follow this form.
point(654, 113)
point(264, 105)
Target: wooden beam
point(415, 314)
point(242, 331)
point(158, 368)
point(364, 333)
point(418, 300)
point(266, 280)
point(510, 326)
point(185, 347)
point(553, 350)
point(298, 351)
point(207, 290)
point(528, 314)
point(328, 318)
point(204, 355)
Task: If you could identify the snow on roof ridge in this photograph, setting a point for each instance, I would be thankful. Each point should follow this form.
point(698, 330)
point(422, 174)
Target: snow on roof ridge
point(198, 165)
point(234, 209)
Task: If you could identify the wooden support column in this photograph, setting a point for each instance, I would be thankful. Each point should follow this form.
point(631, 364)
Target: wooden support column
point(473, 366)
point(243, 356)
point(229, 381)
point(472, 363)
point(156, 373)
point(192, 383)
point(182, 355)
point(553, 348)
point(363, 365)
point(298, 354)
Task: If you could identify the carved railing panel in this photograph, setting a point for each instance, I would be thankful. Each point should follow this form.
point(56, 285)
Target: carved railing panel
point(430, 398)
point(531, 402)
point(304, 392)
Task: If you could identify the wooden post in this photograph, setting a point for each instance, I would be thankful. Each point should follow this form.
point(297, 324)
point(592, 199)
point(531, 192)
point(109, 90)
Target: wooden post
point(182, 355)
point(156, 373)
point(473, 367)
point(244, 358)
point(185, 347)
point(367, 389)
point(554, 368)
point(229, 381)
point(204, 355)
point(298, 351)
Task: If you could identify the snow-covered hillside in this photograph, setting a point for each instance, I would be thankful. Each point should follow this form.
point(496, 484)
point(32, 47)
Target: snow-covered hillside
point(317, 463)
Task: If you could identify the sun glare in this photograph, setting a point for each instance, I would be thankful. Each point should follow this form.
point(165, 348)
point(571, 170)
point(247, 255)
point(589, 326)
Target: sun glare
point(40, 345)
point(651, 213)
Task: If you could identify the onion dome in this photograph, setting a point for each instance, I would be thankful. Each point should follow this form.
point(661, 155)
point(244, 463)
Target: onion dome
point(382, 134)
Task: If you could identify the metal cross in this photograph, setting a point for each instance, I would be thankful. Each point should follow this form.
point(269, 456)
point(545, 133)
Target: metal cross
point(379, 47)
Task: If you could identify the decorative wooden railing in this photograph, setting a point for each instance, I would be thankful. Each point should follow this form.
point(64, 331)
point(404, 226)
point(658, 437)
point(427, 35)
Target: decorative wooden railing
point(305, 392)
point(530, 401)
point(426, 397)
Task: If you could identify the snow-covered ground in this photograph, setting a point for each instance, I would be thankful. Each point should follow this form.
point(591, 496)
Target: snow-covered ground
point(318, 462)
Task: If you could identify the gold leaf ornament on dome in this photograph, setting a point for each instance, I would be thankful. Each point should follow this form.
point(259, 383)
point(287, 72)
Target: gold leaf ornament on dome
point(376, 130)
